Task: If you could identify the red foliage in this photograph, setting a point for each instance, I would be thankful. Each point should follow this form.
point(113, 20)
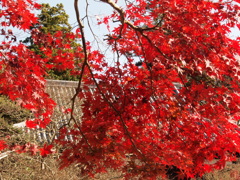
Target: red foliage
point(134, 121)
point(17, 13)
point(33, 149)
point(3, 145)
point(46, 150)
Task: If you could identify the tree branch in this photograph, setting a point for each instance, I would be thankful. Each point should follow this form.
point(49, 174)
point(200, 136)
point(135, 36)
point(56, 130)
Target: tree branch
point(82, 71)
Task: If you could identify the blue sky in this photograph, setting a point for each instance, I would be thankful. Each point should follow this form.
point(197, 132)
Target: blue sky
point(96, 9)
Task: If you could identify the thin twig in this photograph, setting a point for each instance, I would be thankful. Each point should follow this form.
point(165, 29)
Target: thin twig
point(90, 27)
point(82, 71)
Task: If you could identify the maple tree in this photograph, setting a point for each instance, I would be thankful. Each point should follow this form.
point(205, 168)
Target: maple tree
point(136, 121)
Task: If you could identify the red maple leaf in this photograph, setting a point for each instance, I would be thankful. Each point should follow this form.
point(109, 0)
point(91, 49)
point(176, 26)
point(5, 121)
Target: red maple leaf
point(31, 124)
point(46, 150)
point(3, 145)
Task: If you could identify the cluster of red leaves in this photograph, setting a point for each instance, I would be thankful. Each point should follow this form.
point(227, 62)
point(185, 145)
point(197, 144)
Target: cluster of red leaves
point(58, 50)
point(22, 70)
point(3, 145)
point(132, 119)
point(18, 13)
point(33, 149)
point(13, 14)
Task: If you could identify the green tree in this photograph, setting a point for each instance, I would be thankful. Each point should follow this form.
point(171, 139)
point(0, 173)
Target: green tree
point(52, 20)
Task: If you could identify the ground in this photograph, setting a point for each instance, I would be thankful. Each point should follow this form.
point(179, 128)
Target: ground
point(25, 167)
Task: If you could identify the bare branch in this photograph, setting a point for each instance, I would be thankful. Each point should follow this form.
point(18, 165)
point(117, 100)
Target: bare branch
point(82, 71)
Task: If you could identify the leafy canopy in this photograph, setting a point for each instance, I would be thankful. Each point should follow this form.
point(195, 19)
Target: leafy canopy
point(51, 21)
point(133, 120)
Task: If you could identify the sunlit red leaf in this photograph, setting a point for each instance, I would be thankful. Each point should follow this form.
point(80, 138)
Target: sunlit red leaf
point(46, 150)
point(3, 145)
